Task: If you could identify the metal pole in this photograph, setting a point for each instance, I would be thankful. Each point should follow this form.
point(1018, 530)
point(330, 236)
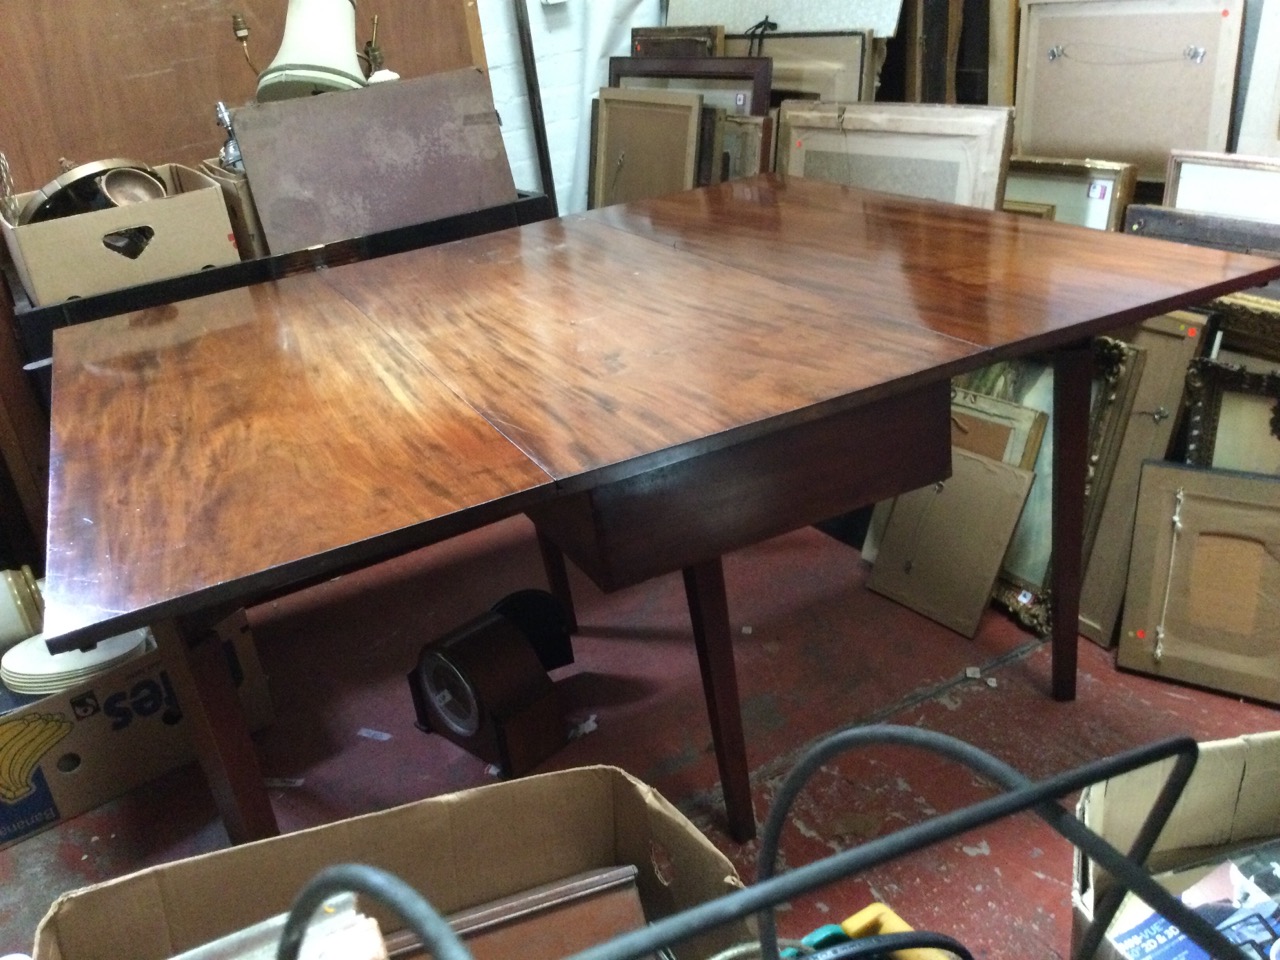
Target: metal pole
point(535, 104)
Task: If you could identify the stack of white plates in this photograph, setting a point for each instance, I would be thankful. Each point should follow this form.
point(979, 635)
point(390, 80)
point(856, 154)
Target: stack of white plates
point(30, 668)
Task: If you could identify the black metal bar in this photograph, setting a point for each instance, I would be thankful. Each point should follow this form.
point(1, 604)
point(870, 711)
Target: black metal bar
point(1031, 796)
point(534, 91)
point(1001, 773)
point(38, 323)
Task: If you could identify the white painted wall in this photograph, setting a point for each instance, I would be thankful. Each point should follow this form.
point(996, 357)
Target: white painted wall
point(572, 43)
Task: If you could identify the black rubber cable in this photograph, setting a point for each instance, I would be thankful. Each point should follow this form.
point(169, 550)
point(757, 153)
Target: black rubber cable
point(881, 946)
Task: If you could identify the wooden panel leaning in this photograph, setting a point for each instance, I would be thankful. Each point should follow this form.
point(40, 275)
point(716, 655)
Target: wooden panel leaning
point(113, 78)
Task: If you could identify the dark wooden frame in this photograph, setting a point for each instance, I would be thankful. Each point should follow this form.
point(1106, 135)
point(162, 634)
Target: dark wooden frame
point(1203, 229)
point(703, 40)
point(758, 71)
point(866, 62)
point(1207, 381)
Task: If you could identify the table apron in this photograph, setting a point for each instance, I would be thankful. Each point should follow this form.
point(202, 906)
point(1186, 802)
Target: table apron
point(667, 519)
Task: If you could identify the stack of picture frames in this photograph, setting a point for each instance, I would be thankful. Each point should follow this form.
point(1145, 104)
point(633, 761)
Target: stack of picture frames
point(1169, 627)
point(666, 124)
point(1202, 602)
point(1222, 200)
point(938, 550)
point(990, 536)
point(929, 555)
point(694, 105)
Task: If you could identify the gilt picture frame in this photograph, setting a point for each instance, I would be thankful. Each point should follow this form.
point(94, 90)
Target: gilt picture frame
point(1169, 343)
point(1030, 208)
point(1088, 193)
point(1233, 417)
point(1246, 329)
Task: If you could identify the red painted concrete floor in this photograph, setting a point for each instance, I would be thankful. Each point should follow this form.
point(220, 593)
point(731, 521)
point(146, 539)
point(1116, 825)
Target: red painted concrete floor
point(816, 652)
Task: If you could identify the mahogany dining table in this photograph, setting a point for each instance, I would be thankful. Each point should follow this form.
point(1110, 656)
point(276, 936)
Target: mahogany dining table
point(655, 384)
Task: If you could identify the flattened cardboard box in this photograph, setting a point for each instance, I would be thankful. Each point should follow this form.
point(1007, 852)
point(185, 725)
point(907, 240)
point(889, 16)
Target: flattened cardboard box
point(459, 850)
point(73, 751)
point(65, 258)
point(1231, 801)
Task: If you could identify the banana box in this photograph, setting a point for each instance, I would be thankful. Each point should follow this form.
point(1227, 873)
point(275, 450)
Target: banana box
point(64, 754)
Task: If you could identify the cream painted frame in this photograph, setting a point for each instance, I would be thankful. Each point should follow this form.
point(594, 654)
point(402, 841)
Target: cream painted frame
point(1224, 184)
point(1214, 631)
point(976, 140)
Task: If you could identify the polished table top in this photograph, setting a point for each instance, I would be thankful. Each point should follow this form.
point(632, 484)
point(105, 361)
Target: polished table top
point(208, 451)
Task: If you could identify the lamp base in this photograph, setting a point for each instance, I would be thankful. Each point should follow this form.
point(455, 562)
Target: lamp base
point(288, 81)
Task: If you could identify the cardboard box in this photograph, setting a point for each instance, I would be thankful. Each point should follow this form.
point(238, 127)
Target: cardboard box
point(66, 258)
point(1239, 896)
point(72, 751)
point(238, 197)
point(459, 851)
point(1230, 802)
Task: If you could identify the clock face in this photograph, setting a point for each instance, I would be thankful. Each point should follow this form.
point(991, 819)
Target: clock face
point(450, 696)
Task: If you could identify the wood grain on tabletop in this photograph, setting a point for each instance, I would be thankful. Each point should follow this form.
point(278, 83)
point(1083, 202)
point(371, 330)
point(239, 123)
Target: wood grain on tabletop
point(589, 347)
point(242, 436)
point(216, 438)
point(988, 279)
